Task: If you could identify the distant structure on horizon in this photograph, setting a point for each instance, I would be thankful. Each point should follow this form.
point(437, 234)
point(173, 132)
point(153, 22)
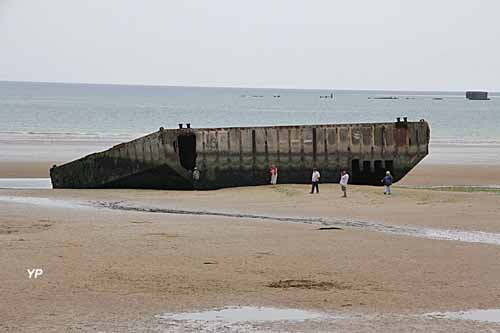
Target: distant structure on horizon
point(327, 96)
point(477, 95)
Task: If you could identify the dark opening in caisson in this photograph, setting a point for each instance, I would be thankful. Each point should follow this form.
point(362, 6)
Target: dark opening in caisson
point(367, 167)
point(355, 167)
point(187, 151)
point(389, 165)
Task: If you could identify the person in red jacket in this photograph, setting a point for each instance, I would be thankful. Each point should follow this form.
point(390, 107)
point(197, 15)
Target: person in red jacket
point(274, 174)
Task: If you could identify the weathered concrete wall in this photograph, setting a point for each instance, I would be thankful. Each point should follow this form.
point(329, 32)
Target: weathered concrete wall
point(242, 156)
point(327, 147)
point(130, 159)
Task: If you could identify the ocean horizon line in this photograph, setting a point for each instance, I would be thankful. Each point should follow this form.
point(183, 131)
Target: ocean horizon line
point(364, 90)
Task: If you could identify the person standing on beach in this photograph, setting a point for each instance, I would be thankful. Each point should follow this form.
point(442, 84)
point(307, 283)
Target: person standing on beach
point(344, 179)
point(196, 176)
point(387, 180)
point(274, 174)
point(315, 180)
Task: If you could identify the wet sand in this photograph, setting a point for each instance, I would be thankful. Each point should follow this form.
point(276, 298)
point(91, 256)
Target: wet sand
point(32, 169)
point(21, 157)
point(117, 270)
point(450, 174)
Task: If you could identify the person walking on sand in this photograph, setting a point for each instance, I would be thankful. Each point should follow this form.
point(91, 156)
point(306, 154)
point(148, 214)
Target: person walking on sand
point(344, 179)
point(315, 180)
point(274, 174)
point(387, 180)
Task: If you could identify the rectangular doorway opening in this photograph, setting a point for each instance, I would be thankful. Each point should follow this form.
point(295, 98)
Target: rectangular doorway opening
point(355, 167)
point(187, 151)
point(389, 165)
point(367, 167)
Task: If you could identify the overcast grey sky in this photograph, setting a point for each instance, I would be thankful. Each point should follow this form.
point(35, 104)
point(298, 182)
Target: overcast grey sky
point(364, 44)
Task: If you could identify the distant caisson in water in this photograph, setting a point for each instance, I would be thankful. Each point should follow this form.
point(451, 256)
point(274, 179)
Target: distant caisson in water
point(241, 156)
point(477, 95)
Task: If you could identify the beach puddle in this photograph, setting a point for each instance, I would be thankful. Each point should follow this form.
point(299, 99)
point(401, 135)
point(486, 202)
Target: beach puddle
point(233, 318)
point(429, 233)
point(487, 316)
point(450, 187)
point(25, 183)
point(47, 202)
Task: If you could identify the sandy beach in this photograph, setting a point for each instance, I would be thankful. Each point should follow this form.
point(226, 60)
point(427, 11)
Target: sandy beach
point(110, 264)
point(117, 260)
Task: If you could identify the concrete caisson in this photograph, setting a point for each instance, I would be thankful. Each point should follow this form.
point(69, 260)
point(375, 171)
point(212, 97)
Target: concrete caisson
point(241, 156)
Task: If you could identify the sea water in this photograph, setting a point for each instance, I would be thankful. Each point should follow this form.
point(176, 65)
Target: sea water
point(115, 113)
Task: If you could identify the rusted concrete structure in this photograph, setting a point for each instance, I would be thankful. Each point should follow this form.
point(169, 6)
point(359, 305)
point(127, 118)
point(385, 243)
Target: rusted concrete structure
point(241, 156)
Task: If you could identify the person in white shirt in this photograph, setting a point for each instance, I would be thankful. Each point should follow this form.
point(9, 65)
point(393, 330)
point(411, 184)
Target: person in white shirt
point(344, 179)
point(315, 180)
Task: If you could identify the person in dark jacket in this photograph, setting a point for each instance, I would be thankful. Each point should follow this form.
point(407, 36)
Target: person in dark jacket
point(387, 180)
